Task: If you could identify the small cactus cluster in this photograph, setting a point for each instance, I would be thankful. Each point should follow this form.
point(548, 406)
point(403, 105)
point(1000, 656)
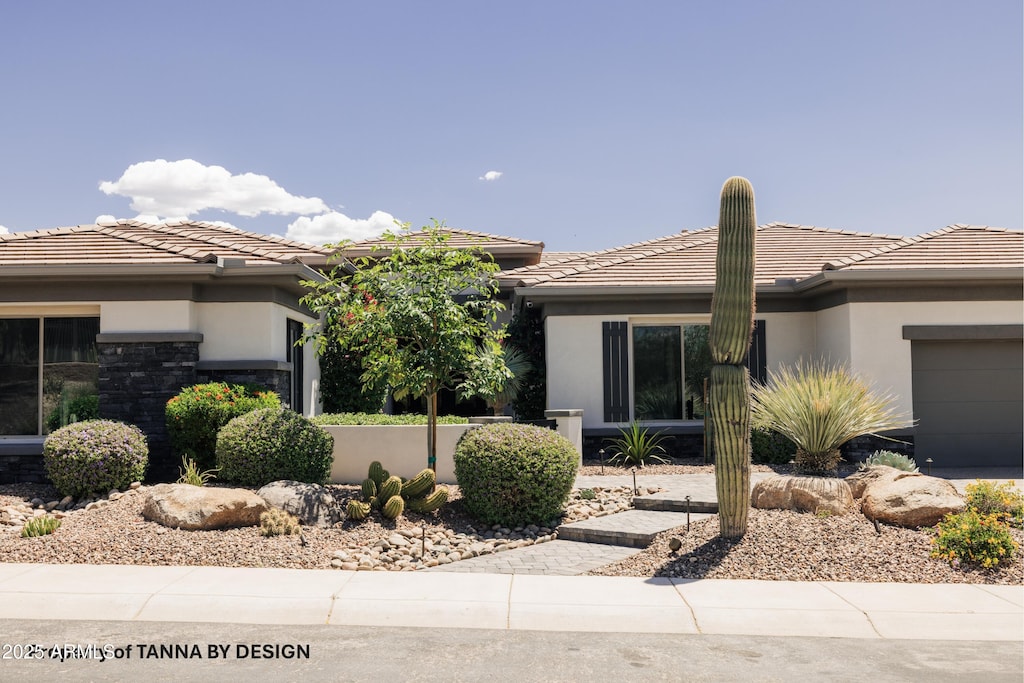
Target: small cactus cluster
point(393, 496)
point(277, 522)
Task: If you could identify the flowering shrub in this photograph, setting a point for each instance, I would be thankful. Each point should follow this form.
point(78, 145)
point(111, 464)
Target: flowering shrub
point(95, 456)
point(514, 474)
point(973, 538)
point(196, 414)
point(271, 444)
point(1004, 500)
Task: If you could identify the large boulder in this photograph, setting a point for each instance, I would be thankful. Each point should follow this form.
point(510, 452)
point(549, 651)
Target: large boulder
point(311, 503)
point(805, 494)
point(184, 506)
point(861, 479)
point(913, 501)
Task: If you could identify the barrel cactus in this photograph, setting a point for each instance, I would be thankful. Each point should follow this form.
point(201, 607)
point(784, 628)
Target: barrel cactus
point(377, 473)
point(428, 503)
point(420, 485)
point(391, 487)
point(369, 490)
point(732, 324)
point(393, 508)
point(357, 510)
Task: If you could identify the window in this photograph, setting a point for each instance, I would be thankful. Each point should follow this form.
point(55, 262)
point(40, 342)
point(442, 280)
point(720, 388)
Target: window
point(670, 364)
point(47, 366)
point(294, 356)
point(670, 367)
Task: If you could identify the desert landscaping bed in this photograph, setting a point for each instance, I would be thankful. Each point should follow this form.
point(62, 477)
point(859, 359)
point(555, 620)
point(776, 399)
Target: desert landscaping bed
point(778, 545)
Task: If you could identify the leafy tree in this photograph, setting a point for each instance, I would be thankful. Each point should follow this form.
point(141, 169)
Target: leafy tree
point(420, 314)
point(526, 334)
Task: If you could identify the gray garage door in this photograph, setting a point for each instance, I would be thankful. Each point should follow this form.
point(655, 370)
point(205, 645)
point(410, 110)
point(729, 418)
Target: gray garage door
point(969, 402)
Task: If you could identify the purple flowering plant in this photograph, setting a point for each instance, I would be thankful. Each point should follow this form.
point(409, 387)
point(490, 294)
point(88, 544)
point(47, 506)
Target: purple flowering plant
point(95, 456)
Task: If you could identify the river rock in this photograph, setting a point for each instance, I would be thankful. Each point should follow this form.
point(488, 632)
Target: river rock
point(805, 494)
point(184, 506)
point(311, 503)
point(913, 501)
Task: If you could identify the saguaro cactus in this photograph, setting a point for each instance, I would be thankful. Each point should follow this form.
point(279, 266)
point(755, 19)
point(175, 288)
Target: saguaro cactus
point(732, 324)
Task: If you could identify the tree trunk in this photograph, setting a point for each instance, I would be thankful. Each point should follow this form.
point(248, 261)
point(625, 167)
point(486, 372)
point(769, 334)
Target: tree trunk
point(432, 431)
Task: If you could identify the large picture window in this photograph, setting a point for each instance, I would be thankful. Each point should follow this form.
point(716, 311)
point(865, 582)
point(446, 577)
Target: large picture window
point(670, 364)
point(48, 368)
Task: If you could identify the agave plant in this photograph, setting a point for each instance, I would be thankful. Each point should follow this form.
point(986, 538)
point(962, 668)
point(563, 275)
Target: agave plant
point(636, 446)
point(819, 408)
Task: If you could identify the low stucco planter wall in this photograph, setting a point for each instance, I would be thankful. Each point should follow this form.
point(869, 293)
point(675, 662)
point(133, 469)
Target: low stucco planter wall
point(402, 449)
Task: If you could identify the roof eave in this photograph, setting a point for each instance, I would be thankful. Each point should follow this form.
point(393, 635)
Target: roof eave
point(926, 275)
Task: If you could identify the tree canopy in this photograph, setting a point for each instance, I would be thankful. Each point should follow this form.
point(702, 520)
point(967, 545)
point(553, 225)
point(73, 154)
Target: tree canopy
point(420, 313)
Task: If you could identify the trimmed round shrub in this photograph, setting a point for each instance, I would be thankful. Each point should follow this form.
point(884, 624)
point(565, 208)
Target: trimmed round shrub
point(513, 474)
point(271, 444)
point(198, 412)
point(95, 456)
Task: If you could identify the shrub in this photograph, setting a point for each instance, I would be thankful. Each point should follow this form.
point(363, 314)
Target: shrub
point(95, 456)
point(378, 419)
point(271, 444)
point(973, 538)
point(819, 408)
point(1004, 500)
point(770, 448)
point(40, 526)
point(196, 414)
point(890, 459)
point(77, 409)
point(635, 446)
point(514, 474)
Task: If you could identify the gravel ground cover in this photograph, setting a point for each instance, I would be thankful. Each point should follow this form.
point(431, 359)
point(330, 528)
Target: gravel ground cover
point(779, 545)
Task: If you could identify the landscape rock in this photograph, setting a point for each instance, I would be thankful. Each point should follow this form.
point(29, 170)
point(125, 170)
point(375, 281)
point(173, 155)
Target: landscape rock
point(311, 503)
point(913, 501)
point(861, 479)
point(804, 494)
point(183, 506)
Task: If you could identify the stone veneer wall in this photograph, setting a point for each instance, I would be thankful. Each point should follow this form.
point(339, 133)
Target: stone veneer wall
point(22, 465)
point(139, 373)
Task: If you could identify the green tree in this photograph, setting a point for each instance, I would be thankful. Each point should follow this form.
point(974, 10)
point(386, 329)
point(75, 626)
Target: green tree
point(421, 315)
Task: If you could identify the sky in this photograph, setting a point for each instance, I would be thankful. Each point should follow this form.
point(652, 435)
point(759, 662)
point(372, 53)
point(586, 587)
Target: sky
point(584, 124)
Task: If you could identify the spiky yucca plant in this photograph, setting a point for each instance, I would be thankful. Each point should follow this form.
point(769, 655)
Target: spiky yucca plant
point(635, 446)
point(819, 407)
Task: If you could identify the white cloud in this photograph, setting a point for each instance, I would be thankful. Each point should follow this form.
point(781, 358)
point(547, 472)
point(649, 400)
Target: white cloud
point(3, 230)
point(491, 175)
point(105, 218)
point(185, 187)
point(333, 227)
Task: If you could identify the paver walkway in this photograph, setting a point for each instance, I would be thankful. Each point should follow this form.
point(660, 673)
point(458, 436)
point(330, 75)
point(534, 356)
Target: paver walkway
point(558, 558)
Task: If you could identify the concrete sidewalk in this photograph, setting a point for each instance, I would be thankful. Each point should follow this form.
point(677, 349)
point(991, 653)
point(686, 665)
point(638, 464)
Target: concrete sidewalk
point(512, 602)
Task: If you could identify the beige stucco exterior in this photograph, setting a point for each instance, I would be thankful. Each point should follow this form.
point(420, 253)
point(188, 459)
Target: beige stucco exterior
point(866, 336)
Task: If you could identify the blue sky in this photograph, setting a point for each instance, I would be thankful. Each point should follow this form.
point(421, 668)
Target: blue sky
point(608, 122)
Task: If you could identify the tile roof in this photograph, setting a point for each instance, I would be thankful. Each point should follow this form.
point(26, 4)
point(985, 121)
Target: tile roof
point(493, 244)
point(136, 243)
point(956, 246)
point(688, 258)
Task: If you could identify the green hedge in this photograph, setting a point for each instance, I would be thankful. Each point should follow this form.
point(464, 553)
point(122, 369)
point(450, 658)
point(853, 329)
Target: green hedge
point(271, 444)
point(378, 419)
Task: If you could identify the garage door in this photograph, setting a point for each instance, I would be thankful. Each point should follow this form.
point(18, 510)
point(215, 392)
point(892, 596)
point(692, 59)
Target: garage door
point(969, 402)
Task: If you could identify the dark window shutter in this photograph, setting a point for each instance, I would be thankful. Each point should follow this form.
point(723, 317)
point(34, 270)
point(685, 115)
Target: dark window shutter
point(757, 360)
point(616, 371)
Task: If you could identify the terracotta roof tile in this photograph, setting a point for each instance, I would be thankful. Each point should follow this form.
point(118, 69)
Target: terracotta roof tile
point(688, 258)
point(494, 244)
point(129, 241)
point(956, 246)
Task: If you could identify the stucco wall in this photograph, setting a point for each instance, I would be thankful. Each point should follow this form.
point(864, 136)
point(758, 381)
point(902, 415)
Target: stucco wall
point(789, 337)
point(147, 316)
point(574, 365)
point(879, 351)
